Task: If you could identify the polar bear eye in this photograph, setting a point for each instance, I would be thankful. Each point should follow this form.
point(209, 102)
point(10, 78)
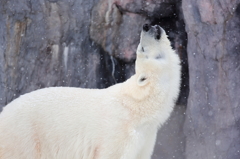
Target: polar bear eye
point(143, 79)
point(142, 49)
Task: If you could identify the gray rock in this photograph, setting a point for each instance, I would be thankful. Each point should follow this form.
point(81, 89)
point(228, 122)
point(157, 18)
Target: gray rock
point(47, 44)
point(213, 111)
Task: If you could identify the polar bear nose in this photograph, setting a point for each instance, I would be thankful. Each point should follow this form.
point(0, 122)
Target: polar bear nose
point(155, 30)
point(146, 27)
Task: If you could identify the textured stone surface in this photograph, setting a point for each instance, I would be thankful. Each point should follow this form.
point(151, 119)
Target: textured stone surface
point(114, 20)
point(212, 124)
point(44, 44)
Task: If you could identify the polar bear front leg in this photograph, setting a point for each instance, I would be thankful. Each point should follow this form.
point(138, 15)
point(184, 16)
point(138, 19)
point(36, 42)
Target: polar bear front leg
point(148, 147)
point(141, 147)
point(125, 148)
point(132, 148)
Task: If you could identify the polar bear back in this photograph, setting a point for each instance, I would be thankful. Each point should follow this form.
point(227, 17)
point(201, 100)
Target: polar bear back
point(41, 124)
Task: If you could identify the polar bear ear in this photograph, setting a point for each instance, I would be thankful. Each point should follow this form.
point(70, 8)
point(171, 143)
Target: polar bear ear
point(142, 80)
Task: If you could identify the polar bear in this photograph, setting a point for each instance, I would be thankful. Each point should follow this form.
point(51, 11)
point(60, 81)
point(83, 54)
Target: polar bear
point(119, 122)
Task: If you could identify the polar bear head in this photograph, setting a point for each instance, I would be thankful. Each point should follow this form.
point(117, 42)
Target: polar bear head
point(154, 55)
point(157, 66)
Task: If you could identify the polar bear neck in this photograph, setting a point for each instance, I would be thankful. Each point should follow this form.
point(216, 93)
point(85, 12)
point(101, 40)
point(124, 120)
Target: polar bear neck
point(156, 99)
point(150, 104)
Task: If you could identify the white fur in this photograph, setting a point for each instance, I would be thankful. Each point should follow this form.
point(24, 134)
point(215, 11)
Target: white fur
point(119, 122)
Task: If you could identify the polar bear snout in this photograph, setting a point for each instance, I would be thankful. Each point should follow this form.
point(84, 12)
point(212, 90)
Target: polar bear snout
point(155, 30)
point(158, 32)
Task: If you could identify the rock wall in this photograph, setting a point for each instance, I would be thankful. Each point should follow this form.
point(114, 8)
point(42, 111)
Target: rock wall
point(47, 43)
point(212, 126)
point(92, 44)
